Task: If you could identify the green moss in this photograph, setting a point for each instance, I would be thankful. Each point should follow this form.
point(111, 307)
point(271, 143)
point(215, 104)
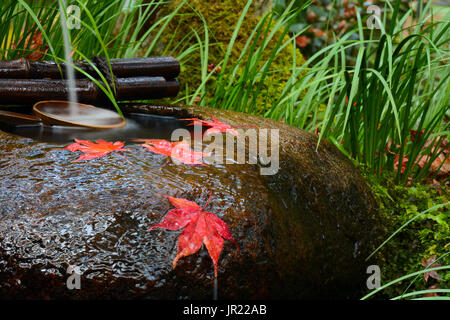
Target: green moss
point(426, 236)
point(221, 18)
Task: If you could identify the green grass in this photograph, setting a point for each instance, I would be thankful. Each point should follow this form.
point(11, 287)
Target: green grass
point(397, 84)
point(98, 35)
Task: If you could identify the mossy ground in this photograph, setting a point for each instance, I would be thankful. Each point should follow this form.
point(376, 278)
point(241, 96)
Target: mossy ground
point(426, 236)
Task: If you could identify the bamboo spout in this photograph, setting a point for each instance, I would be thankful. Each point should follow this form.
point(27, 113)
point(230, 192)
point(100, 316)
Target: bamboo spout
point(166, 67)
point(30, 91)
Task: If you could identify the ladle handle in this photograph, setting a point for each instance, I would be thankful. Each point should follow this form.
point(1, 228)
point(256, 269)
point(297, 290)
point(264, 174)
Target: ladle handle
point(17, 118)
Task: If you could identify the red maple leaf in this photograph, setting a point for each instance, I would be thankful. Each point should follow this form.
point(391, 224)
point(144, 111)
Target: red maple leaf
point(216, 126)
point(94, 150)
point(199, 227)
point(179, 150)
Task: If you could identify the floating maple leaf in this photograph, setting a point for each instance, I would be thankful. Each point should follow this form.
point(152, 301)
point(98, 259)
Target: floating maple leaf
point(429, 263)
point(180, 150)
point(216, 126)
point(94, 150)
point(199, 227)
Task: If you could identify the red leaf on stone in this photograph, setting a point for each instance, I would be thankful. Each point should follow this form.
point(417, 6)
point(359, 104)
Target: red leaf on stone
point(96, 149)
point(200, 227)
point(216, 126)
point(179, 150)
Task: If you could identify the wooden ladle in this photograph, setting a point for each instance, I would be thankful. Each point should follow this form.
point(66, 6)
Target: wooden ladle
point(60, 113)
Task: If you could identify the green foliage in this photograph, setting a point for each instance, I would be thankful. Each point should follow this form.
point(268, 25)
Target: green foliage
point(327, 20)
point(423, 218)
point(251, 54)
point(398, 84)
point(113, 29)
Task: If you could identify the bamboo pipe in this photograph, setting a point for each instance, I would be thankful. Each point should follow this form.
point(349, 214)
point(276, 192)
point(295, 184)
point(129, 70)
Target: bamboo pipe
point(30, 91)
point(22, 68)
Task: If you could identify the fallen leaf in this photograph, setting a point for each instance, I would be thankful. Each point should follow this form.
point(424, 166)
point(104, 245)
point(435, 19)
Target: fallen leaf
point(442, 149)
point(213, 67)
point(179, 150)
point(197, 99)
point(35, 46)
point(94, 150)
point(342, 25)
point(318, 32)
point(302, 41)
point(350, 12)
point(397, 160)
point(432, 294)
point(440, 165)
point(429, 263)
point(199, 227)
point(311, 16)
point(216, 126)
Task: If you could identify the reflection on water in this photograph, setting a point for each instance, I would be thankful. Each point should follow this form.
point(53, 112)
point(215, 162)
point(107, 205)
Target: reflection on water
point(142, 126)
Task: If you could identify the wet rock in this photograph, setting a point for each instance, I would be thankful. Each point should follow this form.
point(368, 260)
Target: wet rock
point(303, 233)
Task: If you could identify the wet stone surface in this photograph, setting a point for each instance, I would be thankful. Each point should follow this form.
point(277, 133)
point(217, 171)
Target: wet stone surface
point(302, 233)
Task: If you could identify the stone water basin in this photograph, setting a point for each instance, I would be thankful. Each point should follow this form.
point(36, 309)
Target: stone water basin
point(303, 233)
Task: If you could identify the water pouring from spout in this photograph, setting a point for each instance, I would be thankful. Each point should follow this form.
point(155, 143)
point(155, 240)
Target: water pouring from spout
point(73, 99)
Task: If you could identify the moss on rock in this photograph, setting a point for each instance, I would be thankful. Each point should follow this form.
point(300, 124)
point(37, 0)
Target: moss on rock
point(221, 18)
